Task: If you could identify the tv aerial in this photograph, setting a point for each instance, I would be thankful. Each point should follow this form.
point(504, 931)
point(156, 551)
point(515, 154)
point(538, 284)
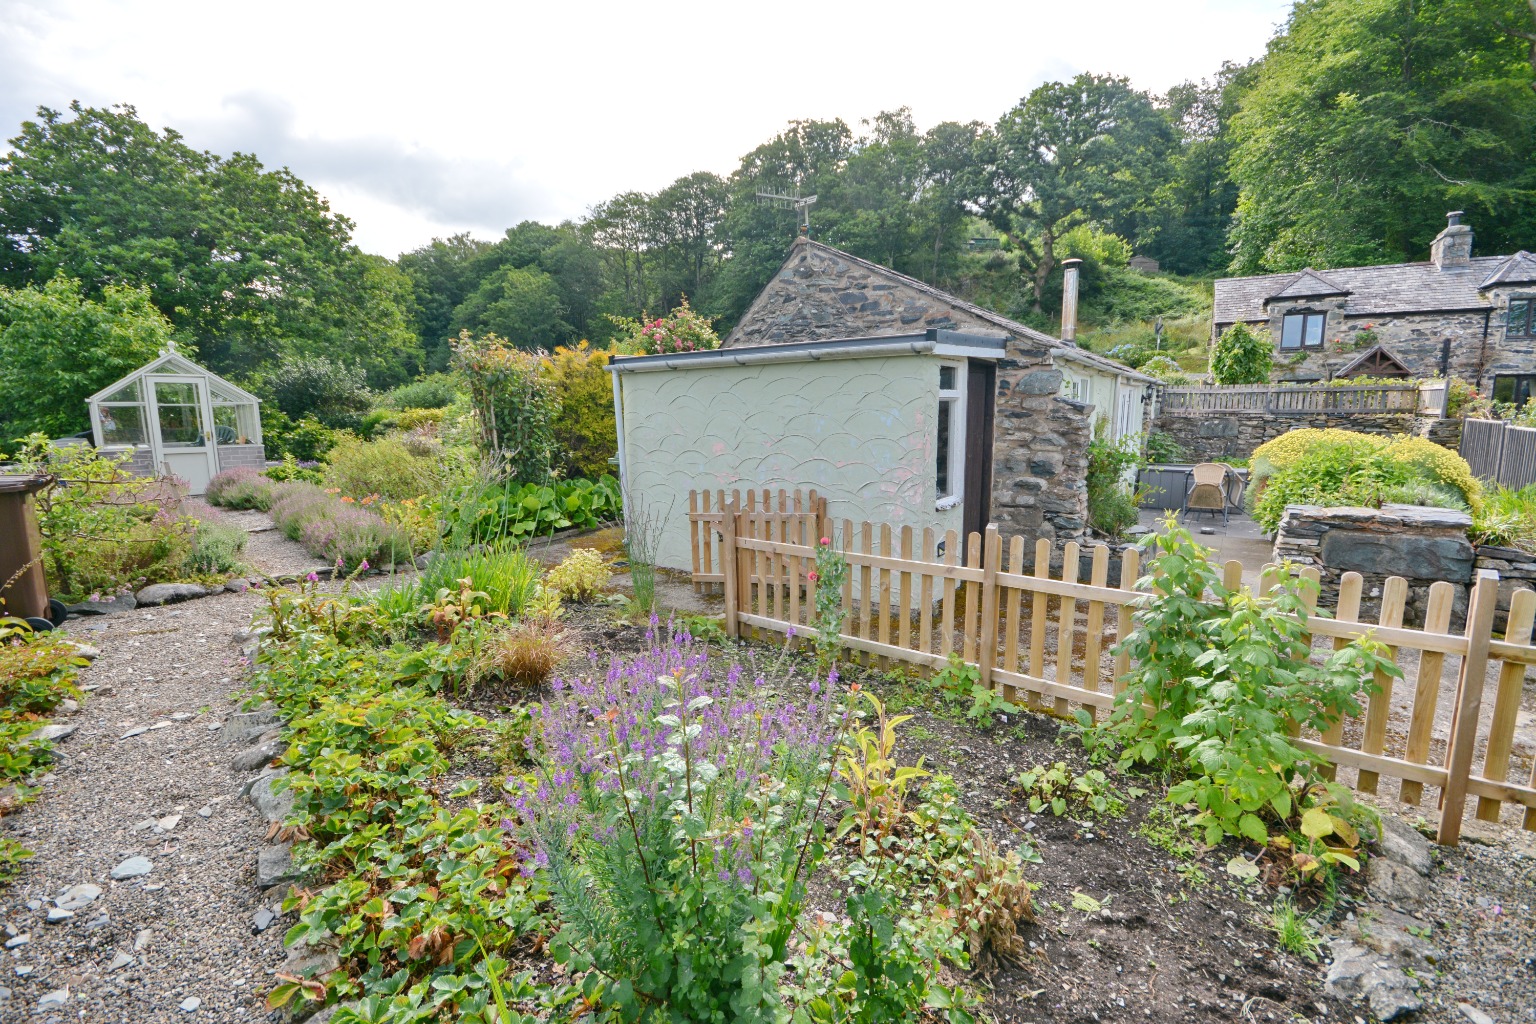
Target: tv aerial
point(792, 201)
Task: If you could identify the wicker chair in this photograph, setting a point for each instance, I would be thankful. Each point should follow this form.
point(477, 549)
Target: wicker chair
point(1208, 489)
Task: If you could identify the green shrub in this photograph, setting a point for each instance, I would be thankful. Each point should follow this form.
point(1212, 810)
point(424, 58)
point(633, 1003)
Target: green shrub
point(580, 577)
point(308, 440)
point(584, 429)
point(291, 468)
point(1166, 370)
point(1242, 356)
point(515, 405)
point(103, 529)
point(1219, 675)
point(332, 392)
point(389, 468)
point(435, 391)
point(216, 549)
point(1341, 467)
point(1507, 518)
point(1112, 503)
point(1163, 449)
point(1419, 491)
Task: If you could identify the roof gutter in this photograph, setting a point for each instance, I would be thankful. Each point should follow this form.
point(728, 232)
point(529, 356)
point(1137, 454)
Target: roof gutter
point(811, 352)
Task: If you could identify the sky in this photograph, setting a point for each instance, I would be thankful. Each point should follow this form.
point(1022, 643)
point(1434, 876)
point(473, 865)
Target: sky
point(425, 119)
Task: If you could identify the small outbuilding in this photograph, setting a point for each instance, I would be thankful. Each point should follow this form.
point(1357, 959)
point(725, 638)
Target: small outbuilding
point(178, 419)
point(897, 402)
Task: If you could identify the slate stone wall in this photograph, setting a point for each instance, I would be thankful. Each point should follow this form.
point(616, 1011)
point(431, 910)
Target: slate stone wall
point(1517, 571)
point(1212, 437)
point(232, 455)
point(1422, 545)
point(1414, 338)
point(1040, 450)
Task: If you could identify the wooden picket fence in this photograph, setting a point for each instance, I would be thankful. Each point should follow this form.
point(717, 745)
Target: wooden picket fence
point(782, 513)
point(1048, 642)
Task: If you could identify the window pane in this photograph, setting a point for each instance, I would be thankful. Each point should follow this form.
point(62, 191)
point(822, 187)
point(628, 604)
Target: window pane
point(122, 424)
point(126, 393)
point(181, 414)
point(1519, 316)
point(1290, 332)
point(226, 424)
point(946, 412)
point(946, 378)
point(1503, 389)
point(1314, 335)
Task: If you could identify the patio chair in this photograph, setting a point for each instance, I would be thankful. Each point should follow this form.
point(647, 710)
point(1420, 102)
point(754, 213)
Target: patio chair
point(1207, 490)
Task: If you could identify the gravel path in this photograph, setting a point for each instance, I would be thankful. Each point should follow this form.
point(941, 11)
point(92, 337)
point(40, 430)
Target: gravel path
point(187, 923)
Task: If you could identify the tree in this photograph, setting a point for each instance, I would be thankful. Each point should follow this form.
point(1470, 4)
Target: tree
point(242, 259)
point(1365, 122)
point(442, 274)
point(1242, 356)
point(520, 304)
point(686, 219)
point(331, 391)
point(1089, 149)
point(57, 348)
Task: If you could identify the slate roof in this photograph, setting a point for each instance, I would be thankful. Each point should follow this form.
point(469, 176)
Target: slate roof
point(1376, 291)
point(1064, 349)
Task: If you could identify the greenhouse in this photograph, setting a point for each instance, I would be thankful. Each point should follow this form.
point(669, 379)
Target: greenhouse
point(178, 419)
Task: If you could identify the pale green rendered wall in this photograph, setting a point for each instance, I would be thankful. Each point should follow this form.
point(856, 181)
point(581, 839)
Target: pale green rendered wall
point(860, 431)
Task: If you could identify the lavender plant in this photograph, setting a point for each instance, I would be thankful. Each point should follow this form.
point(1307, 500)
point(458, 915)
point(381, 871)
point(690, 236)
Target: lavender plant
point(676, 816)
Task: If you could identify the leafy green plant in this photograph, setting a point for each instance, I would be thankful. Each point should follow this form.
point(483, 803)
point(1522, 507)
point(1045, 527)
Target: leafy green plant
point(828, 577)
point(1163, 448)
point(584, 429)
point(479, 513)
point(869, 780)
point(216, 548)
point(1056, 788)
point(331, 391)
point(1112, 502)
point(1507, 518)
point(580, 577)
point(959, 682)
point(1220, 674)
point(503, 572)
point(515, 405)
point(391, 469)
point(1242, 356)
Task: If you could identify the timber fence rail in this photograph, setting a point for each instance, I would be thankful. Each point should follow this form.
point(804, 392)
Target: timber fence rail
point(1500, 452)
point(1304, 400)
point(1051, 640)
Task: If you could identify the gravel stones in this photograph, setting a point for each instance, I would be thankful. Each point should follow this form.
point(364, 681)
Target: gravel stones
point(263, 920)
point(169, 593)
point(120, 961)
point(1359, 974)
point(18, 940)
point(1401, 843)
point(190, 1004)
point(274, 866)
point(1473, 1014)
point(57, 916)
point(77, 896)
point(133, 867)
point(138, 730)
point(58, 997)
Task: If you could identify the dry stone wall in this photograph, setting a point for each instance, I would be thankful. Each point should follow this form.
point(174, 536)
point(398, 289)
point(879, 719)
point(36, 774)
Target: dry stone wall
point(1212, 437)
point(1422, 545)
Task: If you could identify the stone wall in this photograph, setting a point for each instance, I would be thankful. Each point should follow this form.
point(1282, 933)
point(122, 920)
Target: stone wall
point(1517, 571)
point(1414, 338)
point(1040, 450)
point(1422, 545)
point(1216, 436)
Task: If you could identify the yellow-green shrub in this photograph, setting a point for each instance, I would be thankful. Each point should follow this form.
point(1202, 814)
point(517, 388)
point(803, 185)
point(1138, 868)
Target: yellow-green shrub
point(584, 428)
point(580, 577)
point(388, 467)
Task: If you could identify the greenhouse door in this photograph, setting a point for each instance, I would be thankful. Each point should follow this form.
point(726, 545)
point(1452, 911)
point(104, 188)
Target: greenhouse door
point(182, 442)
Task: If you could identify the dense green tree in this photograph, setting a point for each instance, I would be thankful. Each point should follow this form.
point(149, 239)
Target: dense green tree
point(58, 347)
point(521, 304)
point(686, 222)
point(242, 259)
point(329, 390)
point(442, 274)
point(1089, 149)
point(1242, 356)
point(1365, 122)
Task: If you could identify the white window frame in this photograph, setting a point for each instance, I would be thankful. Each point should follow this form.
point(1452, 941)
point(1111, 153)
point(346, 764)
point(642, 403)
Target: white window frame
point(1071, 387)
point(955, 399)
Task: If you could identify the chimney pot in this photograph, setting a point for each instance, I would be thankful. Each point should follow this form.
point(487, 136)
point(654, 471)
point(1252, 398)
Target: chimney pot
point(1069, 272)
point(1454, 217)
point(1452, 247)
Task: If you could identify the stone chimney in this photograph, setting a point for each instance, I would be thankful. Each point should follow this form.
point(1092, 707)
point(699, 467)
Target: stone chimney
point(1452, 247)
point(1069, 272)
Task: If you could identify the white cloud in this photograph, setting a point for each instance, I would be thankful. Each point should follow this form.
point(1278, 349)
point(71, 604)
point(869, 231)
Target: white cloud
point(420, 119)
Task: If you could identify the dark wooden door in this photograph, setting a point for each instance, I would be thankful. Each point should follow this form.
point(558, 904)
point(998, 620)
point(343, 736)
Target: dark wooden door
point(980, 407)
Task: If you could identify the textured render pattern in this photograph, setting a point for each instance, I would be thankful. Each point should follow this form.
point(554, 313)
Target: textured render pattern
point(860, 431)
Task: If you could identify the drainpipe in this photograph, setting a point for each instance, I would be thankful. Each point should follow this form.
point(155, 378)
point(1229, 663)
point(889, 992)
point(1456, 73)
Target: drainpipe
point(1069, 272)
point(618, 421)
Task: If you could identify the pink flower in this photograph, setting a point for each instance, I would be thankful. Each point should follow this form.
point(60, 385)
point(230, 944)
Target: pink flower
point(364, 566)
point(313, 577)
point(826, 542)
point(813, 576)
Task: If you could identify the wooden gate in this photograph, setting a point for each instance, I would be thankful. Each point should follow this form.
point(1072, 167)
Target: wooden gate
point(773, 513)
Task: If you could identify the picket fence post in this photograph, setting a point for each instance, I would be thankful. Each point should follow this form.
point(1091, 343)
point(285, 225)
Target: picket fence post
point(1469, 699)
point(729, 566)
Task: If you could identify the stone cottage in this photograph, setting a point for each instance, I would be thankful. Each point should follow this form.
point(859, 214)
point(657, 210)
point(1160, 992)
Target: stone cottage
point(1457, 315)
point(1049, 393)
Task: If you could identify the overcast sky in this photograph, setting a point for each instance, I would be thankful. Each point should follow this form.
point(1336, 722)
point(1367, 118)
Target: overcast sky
point(421, 119)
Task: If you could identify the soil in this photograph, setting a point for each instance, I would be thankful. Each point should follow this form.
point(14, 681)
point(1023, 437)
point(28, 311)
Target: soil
point(1173, 940)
